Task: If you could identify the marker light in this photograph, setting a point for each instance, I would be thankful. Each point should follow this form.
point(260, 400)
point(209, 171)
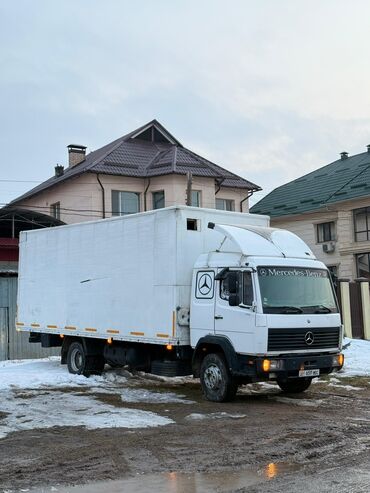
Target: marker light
point(266, 364)
point(109, 341)
point(169, 347)
point(338, 360)
point(61, 336)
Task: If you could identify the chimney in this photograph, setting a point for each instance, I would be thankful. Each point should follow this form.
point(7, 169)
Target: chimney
point(76, 154)
point(344, 155)
point(59, 170)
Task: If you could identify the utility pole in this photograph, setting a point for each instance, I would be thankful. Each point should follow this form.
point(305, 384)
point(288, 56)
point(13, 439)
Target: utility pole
point(189, 178)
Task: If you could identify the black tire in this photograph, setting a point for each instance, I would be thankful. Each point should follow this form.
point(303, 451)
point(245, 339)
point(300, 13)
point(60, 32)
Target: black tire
point(76, 359)
point(80, 364)
point(114, 366)
point(173, 368)
point(217, 383)
point(295, 386)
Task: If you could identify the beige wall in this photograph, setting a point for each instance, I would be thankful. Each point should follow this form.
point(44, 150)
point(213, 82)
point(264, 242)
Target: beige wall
point(81, 198)
point(346, 247)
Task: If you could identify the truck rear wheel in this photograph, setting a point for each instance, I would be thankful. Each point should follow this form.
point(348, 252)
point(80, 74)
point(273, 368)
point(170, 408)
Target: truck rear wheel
point(295, 386)
point(79, 363)
point(76, 358)
point(217, 383)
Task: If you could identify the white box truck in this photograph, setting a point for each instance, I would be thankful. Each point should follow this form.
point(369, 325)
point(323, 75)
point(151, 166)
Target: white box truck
point(182, 290)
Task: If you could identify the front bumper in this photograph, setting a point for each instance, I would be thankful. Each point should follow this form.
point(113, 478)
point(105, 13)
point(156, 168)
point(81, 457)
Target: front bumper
point(288, 366)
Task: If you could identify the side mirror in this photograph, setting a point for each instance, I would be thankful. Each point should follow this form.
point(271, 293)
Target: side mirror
point(233, 282)
point(234, 299)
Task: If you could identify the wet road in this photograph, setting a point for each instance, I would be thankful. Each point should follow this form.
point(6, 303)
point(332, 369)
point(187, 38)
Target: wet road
point(264, 441)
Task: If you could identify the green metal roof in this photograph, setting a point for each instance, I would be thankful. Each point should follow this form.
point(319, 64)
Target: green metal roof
point(343, 179)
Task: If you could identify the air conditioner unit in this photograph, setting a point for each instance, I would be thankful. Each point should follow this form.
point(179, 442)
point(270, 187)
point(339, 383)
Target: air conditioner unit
point(329, 247)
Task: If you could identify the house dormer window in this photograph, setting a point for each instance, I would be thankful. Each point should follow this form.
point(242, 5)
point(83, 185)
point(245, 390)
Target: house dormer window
point(154, 133)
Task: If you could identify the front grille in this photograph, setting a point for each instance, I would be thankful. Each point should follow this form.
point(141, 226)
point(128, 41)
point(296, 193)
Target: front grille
point(295, 339)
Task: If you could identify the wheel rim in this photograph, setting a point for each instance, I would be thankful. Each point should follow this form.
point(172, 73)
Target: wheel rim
point(76, 360)
point(213, 377)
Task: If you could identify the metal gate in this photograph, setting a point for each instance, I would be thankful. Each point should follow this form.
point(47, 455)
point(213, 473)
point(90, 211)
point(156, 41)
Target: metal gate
point(4, 333)
point(13, 344)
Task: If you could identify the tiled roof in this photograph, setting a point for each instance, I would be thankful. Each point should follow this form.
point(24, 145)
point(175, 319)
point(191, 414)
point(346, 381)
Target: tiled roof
point(131, 155)
point(341, 180)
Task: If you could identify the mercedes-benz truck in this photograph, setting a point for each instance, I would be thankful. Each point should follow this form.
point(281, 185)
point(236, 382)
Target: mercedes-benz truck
point(182, 290)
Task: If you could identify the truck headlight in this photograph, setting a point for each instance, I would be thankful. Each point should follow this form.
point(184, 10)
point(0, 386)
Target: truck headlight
point(338, 360)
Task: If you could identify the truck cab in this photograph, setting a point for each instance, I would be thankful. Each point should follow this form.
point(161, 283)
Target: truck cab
point(273, 309)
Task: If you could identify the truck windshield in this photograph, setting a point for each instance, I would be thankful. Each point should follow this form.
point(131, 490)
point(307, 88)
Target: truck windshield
point(296, 290)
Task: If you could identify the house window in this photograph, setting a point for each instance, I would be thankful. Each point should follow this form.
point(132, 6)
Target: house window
point(195, 198)
point(363, 265)
point(361, 219)
point(125, 203)
point(158, 200)
point(225, 204)
point(55, 210)
point(325, 232)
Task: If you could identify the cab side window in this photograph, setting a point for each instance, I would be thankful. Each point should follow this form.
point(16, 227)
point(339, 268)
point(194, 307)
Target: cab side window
point(244, 288)
point(224, 286)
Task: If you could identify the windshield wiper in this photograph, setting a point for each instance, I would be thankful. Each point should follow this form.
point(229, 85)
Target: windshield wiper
point(318, 309)
point(292, 309)
point(322, 309)
point(286, 309)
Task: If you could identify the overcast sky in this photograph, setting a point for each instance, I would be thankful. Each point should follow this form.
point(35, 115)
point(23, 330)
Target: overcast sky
point(268, 89)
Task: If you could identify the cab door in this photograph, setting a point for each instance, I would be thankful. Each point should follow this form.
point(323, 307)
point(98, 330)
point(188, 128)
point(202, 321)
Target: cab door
point(235, 316)
point(202, 305)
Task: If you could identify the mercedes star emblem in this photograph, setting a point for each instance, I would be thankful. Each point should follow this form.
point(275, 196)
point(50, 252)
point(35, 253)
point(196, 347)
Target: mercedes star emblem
point(309, 338)
point(205, 284)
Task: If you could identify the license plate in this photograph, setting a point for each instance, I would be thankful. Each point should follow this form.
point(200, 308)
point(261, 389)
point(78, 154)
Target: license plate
point(309, 373)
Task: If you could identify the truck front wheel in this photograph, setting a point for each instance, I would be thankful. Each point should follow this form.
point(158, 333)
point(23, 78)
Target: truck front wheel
point(217, 383)
point(295, 386)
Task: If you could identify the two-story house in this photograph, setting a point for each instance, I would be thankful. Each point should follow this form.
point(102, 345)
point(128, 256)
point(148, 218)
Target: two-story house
point(330, 210)
point(143, 170)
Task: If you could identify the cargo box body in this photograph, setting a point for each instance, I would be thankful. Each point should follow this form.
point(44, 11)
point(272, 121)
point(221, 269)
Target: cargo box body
point(125, 278)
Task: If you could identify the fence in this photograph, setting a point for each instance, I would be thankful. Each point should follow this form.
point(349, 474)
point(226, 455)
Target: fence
point(354, 301)
point(13, 344)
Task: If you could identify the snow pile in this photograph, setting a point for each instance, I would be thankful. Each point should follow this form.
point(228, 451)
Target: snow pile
point(356, 358)
point(49, 409)
point(33, 395)
point(32, 374)
point(142, 395)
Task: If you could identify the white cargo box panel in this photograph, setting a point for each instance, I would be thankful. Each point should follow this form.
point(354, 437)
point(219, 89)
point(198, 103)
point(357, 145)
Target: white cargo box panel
point(123, 278)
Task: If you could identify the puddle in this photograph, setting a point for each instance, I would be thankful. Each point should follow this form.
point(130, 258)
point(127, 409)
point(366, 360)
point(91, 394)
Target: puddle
point(175, 482)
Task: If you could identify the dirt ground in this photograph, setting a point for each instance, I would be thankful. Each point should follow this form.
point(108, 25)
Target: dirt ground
point(316, 441)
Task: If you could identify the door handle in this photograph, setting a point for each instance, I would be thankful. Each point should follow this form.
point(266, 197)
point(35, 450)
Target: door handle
point(218, 317)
